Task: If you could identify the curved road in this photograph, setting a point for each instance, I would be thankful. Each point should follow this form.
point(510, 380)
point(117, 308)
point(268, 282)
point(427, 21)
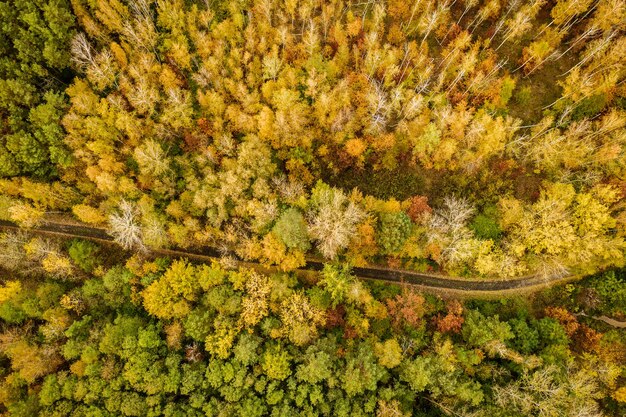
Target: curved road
point(428, 282)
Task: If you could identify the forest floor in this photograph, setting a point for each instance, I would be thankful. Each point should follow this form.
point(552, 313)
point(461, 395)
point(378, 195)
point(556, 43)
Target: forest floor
point(400, 183)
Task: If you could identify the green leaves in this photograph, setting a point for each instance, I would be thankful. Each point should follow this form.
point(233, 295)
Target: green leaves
point(336, 280)
point(316, 366)
point(292, 230)
point(417, 373)
point(526, 337)
point(485, 225)
point(394, 230)
point(304, 356)
point(362, 371)
point(31, 104)
point(84, 254)
point(276, 362)
point(479, 330)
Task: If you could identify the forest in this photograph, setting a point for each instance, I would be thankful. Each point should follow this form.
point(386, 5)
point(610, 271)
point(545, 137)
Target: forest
point(458, 139)
point(130, 336)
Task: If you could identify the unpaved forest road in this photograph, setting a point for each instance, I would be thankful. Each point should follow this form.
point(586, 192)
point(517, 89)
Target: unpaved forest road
point(428, 282)
point(611, 322)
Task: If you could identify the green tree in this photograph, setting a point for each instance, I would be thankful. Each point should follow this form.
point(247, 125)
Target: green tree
point(485, 225)
point(84, 253)
point(276, 362)
point(394, 230)
point(526, 337)
point(336, 280)
point(417, 373)
point(488, 333)
point(316, 367)
point(32, 138)
point(291, 228)
point(362, 371)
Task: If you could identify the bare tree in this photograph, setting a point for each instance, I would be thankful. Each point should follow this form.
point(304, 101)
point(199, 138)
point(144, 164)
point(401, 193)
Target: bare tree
point(551, 268)
point(151, 157)
point(333, 221)
point(448, 227)
point(12, 256)
point(99, 67)
point(288, 189)
point(26, 255)
point(141, 30)
point(125, 227)
point(550, 392)
point(82, 52)
point(453, 215)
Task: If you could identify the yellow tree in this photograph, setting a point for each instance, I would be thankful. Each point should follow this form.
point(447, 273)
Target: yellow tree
point(26, 215)
point(300, 319)
point(88, 214)
point(171, 295)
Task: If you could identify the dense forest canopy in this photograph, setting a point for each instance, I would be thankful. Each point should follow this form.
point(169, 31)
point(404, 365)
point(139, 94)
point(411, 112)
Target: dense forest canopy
point(466, 138)
point(89, 336)
point(498, 127)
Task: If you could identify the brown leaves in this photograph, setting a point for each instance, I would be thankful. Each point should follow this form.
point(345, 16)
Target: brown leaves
point(193, 353)
point(587, 339)
point(174, 335)
point(418, 208)
point(582, 336)
point(406, 309)
point(452, 321)
point(335, 317)
point(565, 318)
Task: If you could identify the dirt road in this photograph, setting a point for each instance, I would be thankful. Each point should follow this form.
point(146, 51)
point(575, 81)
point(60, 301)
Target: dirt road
point(429, 282)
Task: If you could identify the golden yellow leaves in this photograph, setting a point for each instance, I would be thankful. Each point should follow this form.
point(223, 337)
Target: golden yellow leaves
point(389, 353)
point(255, 305)
point(563, 227)
point(31, 361)
point(26, 215)
point(56, 264)
point(274, 252)
point(300, 319)
point(9, 290)
point(620, 395)
point(170, 296)
point(221, 340)
point(88, 214)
